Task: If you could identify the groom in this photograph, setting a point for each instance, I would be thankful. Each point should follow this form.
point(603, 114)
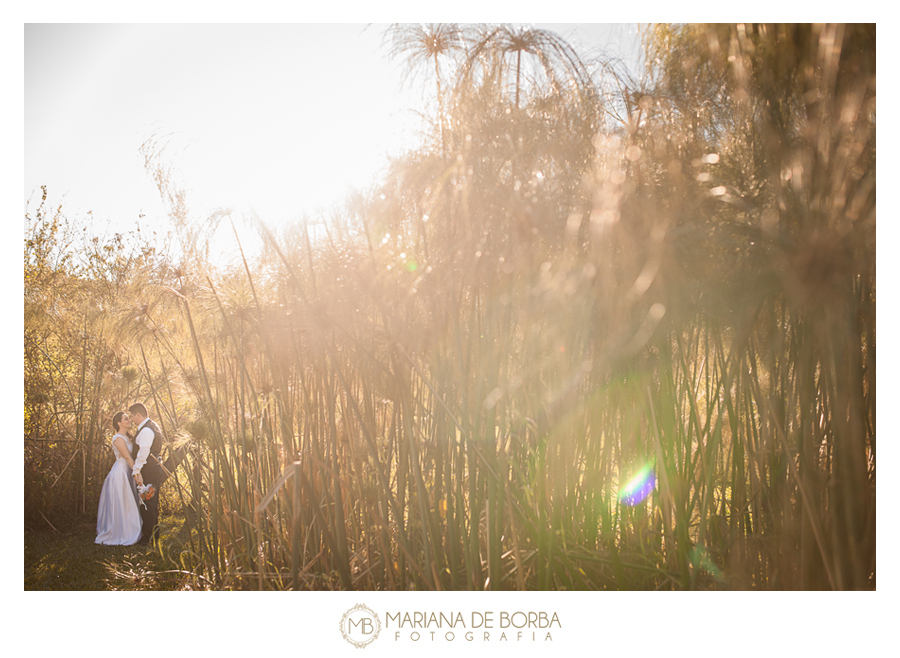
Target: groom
point(148, 445)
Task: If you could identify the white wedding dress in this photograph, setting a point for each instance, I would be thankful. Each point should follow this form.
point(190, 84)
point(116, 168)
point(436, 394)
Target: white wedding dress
point(118, 517)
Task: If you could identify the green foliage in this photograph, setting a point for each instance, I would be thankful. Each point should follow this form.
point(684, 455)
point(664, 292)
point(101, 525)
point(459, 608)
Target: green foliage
point(70, 561)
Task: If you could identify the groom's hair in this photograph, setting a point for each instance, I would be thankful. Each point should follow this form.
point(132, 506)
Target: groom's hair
point(138, 408)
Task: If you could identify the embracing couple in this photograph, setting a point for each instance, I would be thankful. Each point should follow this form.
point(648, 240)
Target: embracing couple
point(129, 506)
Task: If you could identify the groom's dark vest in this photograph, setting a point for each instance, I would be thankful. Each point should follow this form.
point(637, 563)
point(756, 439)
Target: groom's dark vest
point(151, 470)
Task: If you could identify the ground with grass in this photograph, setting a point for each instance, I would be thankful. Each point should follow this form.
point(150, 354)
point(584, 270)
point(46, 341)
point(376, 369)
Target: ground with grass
point(68, 560)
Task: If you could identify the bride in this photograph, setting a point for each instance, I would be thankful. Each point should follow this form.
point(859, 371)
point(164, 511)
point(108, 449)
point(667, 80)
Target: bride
point(118, 517)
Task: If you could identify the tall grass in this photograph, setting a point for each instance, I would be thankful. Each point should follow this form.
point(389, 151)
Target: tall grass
point(448, 383)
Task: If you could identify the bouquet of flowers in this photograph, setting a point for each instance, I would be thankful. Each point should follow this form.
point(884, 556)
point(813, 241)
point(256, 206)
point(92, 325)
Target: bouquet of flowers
point(147, 491)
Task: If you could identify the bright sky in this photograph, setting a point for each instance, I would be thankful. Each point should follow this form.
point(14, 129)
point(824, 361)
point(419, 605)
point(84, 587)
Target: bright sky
point(278, 119)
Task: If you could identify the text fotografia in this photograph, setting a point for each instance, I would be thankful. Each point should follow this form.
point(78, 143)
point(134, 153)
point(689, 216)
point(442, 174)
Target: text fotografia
point(479, 626)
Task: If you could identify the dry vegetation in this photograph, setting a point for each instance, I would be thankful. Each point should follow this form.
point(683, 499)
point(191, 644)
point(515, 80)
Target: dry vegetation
point(575, 276)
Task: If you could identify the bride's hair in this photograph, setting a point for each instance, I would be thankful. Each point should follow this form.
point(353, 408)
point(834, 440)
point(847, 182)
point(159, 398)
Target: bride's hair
point(116, 419)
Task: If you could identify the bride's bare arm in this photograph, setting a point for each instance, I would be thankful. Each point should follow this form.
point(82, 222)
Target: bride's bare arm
point(119, 443)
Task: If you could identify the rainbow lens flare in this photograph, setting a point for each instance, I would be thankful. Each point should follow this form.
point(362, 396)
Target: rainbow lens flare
point(638, 487)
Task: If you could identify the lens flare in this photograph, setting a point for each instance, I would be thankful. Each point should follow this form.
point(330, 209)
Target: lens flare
point(639, 487)
point(700, 559)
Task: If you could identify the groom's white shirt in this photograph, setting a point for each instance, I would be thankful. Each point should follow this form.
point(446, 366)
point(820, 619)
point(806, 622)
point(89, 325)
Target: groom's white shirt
point(144, 439)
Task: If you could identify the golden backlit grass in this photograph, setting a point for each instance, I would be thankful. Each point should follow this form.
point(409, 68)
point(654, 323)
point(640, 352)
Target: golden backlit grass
point(574, 278)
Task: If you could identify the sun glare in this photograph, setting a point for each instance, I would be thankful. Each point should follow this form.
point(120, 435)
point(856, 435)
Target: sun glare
point(278, 121)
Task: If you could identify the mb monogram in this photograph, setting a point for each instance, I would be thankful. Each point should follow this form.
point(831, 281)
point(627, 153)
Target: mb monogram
point(360, 626)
